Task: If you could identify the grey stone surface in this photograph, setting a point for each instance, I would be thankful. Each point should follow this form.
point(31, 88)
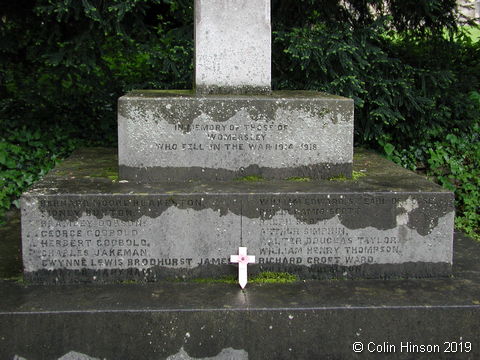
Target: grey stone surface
point(302, 320)
point(165, 136)
point(225, 354)
point(232, 46)
point(72, 355)
point(82, 229)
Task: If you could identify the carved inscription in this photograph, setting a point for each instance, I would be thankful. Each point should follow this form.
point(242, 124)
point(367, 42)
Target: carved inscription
point(90, 243)
point(188, 231)
point(235, 137)
point(314, 238)
point(322, 244)
point(95, 233)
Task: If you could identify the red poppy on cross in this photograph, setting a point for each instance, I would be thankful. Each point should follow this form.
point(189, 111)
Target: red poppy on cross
point(243, 260)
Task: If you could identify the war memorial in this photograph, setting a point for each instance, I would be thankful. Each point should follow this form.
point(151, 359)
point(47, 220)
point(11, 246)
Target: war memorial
point(231, 178)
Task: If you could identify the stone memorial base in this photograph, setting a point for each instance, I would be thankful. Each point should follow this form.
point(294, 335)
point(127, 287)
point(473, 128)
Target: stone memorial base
point(81, 224)
point(395, 319)
point(180, 136)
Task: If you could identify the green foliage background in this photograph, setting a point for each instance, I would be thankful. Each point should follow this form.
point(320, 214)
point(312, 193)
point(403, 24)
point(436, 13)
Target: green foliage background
point(412, 71)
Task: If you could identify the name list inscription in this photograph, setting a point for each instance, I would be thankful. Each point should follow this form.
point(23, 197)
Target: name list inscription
point(117, 233)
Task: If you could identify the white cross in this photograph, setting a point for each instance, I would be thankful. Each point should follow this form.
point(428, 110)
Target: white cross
point(242, 259)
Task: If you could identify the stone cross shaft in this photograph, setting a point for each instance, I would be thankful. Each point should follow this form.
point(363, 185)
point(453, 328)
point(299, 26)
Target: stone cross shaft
point(232, 46)
point(243, 260)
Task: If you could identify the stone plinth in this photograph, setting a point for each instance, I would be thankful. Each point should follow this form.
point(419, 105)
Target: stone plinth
point(388, 223)
point(178, 136)
point(232, 46)
point(211, 320)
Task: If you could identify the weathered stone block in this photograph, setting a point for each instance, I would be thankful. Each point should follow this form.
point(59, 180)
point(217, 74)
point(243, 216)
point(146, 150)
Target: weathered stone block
point(387, 223)
point(232, 46)
point(165, 136)
point(206, 319)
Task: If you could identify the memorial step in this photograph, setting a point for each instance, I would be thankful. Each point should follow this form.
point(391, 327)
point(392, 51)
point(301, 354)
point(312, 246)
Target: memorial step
point(302, 320)
point(81, 224)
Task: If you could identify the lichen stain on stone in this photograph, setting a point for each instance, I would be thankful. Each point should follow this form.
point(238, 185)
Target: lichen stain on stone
point(426, 214)
point(406, 208)
point(185, 110)
point(135, 206)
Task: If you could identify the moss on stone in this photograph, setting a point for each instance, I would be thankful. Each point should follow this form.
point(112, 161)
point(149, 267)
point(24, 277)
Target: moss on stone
point(227, 279)
point(261, 278)
point(299, 179)
point(274, 277)
point(128, 282)
point(339, 178)
point(19, 279)
point(355, 176)
point(250, 178)
point(109, 173)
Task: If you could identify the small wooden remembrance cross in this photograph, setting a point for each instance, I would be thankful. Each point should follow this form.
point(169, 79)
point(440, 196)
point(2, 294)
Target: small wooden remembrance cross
point(243, 260)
